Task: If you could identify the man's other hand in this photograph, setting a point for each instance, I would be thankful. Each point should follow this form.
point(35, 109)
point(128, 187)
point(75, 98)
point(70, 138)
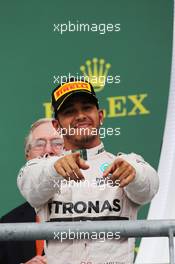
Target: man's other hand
point(121, 171)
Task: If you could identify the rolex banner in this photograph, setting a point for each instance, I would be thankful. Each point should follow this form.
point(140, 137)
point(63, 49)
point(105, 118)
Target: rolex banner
point(124, 48)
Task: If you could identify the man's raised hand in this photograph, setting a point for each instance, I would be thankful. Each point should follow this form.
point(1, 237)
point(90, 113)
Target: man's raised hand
point(69, 167)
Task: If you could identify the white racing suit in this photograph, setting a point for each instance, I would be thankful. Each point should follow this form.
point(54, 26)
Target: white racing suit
point(93, 199)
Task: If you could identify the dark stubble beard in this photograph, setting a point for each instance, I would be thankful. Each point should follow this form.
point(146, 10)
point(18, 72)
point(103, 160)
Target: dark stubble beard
point(81, 142)
point(84, 141)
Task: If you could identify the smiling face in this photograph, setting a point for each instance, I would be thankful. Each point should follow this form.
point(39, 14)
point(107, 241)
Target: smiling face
point(80, 118)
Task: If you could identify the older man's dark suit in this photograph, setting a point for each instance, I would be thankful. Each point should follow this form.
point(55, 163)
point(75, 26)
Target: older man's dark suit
point(15, 252)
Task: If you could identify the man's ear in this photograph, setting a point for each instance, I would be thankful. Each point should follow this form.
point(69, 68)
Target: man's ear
point(27, 155)
point(101, 116)
point(55, 124)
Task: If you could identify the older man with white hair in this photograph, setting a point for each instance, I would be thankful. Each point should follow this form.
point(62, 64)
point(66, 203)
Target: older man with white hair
point(42, 140)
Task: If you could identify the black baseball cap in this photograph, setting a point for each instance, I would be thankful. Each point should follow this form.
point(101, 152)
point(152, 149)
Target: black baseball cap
point(63, 92)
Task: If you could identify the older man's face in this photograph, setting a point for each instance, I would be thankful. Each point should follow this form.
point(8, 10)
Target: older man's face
point(45, 141)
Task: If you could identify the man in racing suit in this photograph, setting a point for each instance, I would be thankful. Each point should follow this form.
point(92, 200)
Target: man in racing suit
point(82, 185)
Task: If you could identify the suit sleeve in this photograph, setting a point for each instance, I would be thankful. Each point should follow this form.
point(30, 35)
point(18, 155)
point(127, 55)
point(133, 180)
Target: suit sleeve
point(38, 180)
point(146, 183)
point(3, 258)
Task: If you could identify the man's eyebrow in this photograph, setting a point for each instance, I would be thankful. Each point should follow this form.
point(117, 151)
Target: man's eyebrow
point(65, 110)
point(87, 103)
point(71, 105)
point(57, 138)
point(67, 107)
point(53, 138)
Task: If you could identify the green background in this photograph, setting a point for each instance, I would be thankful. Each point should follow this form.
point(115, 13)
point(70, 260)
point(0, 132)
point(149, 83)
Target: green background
point(31, 53)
